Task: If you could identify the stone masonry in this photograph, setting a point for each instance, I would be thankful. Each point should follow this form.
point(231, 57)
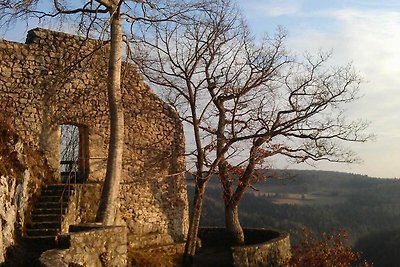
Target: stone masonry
point(55, 79)
point(91, 247)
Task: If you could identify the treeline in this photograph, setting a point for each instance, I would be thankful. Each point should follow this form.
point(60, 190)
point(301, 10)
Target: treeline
point(381, 248)
point(370, 208)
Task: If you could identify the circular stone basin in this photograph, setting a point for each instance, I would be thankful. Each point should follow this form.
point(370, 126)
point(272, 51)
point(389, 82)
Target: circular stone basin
point(263, 247)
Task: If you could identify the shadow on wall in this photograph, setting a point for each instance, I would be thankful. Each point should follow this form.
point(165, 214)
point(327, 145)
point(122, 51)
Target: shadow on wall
point(159, 165)
point(173, 193)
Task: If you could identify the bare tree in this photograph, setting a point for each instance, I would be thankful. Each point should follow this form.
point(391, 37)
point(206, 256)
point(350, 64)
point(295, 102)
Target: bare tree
point(101, 18)
point(69, 148)
point(246, 101)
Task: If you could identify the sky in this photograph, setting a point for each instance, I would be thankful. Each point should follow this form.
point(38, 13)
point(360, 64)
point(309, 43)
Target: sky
point(365, 33)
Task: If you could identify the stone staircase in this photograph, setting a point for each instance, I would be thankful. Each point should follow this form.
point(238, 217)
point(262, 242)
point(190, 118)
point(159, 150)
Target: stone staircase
point(48, 211)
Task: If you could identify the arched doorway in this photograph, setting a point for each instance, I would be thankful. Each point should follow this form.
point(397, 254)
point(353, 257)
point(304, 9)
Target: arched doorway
point(74, 153)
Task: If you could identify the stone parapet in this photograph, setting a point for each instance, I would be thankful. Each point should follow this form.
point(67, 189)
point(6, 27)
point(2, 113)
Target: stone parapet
point(270, 252)
point(90, 245)
point(263, 247)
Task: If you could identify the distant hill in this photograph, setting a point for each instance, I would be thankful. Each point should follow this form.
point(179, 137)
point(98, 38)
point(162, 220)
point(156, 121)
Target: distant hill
point(319, 200)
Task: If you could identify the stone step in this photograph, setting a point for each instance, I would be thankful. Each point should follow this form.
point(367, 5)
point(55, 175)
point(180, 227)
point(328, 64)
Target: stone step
point(59, 187)
point(42, 232)
point(59, 193)
point(44, 225)
point(46, 217)
point(50, 205)
point(57, 190)
point(53, 198)
point(72, 177)
point(48, 211)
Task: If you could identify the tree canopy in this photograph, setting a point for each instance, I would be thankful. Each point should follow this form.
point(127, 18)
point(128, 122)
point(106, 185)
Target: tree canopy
point(247, 100)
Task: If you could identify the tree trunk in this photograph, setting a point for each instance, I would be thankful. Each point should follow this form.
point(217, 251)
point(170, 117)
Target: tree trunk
point(109, 201)
point(232, 222)
point(233, 227)
point(191, 242)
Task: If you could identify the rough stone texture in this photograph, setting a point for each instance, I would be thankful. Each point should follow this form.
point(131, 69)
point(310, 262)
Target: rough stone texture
point(83, 205)
point(174, 249)
point(53, 257)
point(82, 209)
point(55, 79)
point(90, 246)
point(13, 200)
point(263, 248)
point(274, 252)
point(8, 216)
point(20, 180)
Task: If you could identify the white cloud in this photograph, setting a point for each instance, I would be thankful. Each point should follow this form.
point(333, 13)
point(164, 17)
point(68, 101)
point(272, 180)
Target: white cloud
point(371, 40)
point(272, 8)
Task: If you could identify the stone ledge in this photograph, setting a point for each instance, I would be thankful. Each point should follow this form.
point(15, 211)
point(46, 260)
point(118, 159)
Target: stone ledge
point(264, 247)
point(90, 245)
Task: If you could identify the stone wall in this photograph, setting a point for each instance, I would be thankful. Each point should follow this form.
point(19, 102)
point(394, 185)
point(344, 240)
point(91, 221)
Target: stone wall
point(82, 210)
point(90, 246)
point(271, 253)
point(263, 247)
point(95, 245)
point(56, 79)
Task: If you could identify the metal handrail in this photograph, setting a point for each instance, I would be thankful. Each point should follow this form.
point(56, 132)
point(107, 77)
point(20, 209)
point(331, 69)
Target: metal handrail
point(72, 174)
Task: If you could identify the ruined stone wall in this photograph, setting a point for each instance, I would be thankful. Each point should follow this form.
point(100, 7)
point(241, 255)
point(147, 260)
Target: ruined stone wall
point(91, 246)
point(57, 79)
point(22, 171)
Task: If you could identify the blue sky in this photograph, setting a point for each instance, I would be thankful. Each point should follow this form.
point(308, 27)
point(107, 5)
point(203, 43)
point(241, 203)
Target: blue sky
point(366, 33)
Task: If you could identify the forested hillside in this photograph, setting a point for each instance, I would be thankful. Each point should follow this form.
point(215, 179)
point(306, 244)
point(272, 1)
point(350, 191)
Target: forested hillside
point(368, 208)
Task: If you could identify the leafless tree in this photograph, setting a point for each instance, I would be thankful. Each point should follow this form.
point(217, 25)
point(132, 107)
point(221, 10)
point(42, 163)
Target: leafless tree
point(69, 147)
point(101, 19)
point(246, 100)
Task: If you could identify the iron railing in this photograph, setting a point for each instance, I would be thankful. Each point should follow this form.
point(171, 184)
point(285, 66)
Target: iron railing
point(71, 176)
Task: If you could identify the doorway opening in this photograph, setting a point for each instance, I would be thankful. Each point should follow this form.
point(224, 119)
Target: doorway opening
point(74, 153)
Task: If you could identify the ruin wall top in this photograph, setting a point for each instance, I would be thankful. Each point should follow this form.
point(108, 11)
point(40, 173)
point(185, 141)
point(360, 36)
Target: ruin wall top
point(56, 79)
